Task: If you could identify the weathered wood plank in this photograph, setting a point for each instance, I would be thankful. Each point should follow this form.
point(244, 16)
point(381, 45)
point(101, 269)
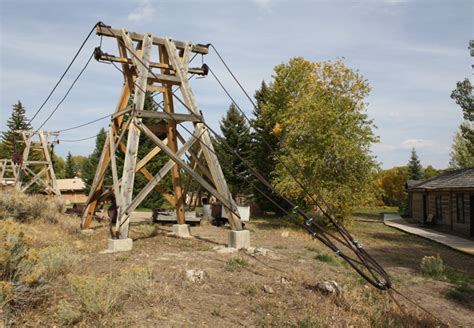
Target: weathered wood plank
point(111, 32)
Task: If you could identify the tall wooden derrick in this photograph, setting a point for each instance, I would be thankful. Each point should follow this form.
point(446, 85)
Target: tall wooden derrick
point(8, 171)
point(141, 74)
point(36, 165)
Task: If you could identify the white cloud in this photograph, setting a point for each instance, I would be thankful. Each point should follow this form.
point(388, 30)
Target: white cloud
point(417, 143)
point(144, 11)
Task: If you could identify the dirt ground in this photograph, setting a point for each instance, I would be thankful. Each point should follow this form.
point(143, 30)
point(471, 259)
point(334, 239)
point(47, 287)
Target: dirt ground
point(232, 292)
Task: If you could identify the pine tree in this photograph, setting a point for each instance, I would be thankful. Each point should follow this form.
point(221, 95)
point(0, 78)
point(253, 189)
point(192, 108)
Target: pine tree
point(262, 156)
point(236, 133)
point(17, 121)
point(93, 160)
point(415, 170)
point(70, 167)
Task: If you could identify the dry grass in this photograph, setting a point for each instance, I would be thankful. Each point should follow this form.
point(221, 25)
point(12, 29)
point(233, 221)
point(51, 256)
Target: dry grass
point(145, 287)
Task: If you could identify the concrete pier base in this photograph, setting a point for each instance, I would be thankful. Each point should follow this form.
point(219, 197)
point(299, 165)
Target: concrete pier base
point(239, 239)
point(119, 245)
point(181, 230)
point(87, 232)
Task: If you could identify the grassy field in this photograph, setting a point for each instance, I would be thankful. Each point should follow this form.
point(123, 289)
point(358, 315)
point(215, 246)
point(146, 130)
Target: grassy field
point(54, 276)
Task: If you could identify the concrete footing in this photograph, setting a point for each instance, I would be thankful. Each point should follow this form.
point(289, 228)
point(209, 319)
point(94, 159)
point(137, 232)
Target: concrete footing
point(239, 239)
point(119, 245)
point(181, 230)
point(87, 232)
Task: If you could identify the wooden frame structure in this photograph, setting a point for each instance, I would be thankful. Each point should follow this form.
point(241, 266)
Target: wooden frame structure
point(36, 166)
point(8, 171)
point(135, 53)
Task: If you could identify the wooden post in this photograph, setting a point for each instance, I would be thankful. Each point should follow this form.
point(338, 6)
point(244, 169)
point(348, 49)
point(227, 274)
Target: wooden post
point(172, 141)
point(45, 177)
point(134, 56)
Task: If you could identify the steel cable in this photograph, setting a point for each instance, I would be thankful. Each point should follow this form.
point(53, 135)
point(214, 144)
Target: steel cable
point(65, 72)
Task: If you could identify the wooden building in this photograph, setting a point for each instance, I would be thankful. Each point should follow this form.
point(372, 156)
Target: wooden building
point(72, 190)
point(445, 201)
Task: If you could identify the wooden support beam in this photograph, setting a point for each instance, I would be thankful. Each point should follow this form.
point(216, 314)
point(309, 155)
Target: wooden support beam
point(177, 117)
point(111, 32)
point(208, 148)
point(222, 198)
point(172, 141)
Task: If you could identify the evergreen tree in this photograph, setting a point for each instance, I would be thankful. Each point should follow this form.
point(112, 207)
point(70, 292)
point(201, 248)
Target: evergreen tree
point(237, 135)
point(17, 121)
point(93, 160)
point(70, 167)
point(415, 170)
point(263, 156)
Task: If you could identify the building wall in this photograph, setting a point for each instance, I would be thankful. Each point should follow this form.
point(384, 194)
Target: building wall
point(448, 221)
point(73, 197)
point(417, 206)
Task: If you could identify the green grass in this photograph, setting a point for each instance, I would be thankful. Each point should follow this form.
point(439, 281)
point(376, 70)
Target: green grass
point(236, 264)
point(143, 209)
point(326, 258)
point(462, 294)
point(375, 211)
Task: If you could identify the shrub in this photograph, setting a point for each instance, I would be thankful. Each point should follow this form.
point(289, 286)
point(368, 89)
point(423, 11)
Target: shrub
point(67, 314)
point(137, 280)
point(21, 285)
point(25, 208)
point(57, 260)
point(432, 266)
point(97, 296)
point(145, 230)
point(236, 264)
point(13, 249)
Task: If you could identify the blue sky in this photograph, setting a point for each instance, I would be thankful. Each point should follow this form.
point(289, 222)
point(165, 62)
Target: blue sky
point(411, 52)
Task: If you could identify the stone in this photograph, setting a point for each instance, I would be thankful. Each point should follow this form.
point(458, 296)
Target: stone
point(285, 234)
point(119, 245)
point(329, 287)
point(285, 281)
point(225, 250)
point(239, 239)
point(181, 230)
point(268, 289)
point(195, 276)
point(87, 232)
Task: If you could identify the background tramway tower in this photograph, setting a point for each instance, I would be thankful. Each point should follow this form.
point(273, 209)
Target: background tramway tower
point(141, 74)
point(8, 171)
point(36, 165)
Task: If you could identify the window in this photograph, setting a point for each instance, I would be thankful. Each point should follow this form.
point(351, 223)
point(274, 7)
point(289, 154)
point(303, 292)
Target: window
point(439, 208)
point(460, 208)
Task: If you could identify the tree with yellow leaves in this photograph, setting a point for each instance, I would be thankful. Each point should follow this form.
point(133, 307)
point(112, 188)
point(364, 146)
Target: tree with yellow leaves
point(318, 112)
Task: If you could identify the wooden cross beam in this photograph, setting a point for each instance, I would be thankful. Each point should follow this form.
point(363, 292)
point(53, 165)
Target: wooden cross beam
point(133, 120)
point(37, 166)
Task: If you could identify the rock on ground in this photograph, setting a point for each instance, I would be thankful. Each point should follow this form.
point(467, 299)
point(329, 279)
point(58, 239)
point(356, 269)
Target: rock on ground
point(329, 287)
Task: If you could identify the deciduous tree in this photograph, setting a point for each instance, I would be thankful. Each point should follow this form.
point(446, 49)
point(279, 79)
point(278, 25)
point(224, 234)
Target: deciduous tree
point(461, 156)
point(463, 96)
point(319, 115)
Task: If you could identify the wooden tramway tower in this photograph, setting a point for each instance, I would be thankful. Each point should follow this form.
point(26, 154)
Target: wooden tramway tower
point(37, 169)
point(141, 74)
point(8, 171)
